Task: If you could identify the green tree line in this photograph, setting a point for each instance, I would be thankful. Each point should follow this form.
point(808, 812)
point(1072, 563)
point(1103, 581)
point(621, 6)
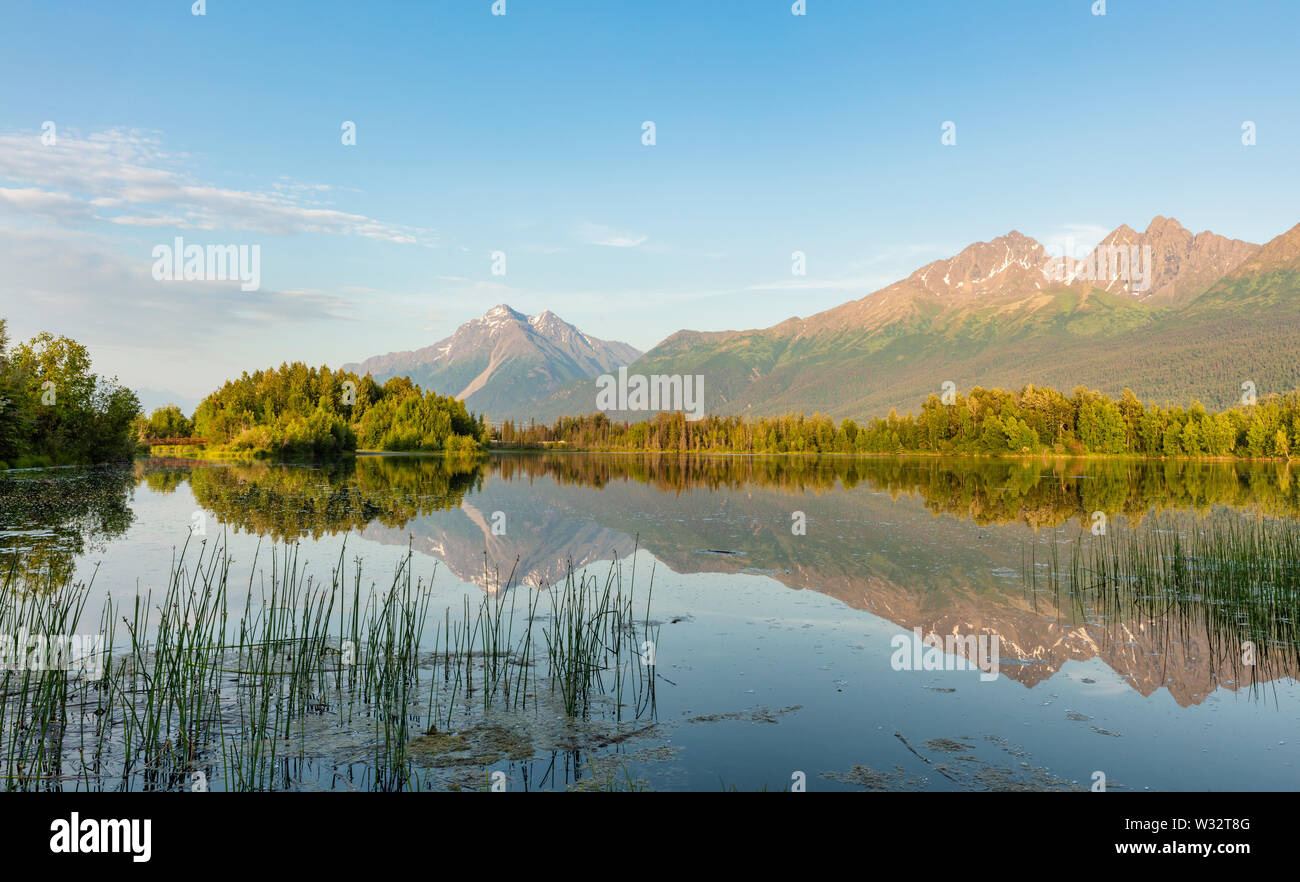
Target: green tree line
point(55, 411)
point(296, 410)
point(1031, 420)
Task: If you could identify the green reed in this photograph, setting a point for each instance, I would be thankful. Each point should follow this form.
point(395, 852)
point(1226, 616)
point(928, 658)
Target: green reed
point(1234, 579)
point(196, 690)
point(208, 689)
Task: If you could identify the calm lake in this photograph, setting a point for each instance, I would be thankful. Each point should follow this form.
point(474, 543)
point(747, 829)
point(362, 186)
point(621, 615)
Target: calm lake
point(776, 603)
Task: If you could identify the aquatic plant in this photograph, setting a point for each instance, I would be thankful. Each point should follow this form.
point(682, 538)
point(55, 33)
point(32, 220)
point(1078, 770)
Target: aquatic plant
point(207, 690)
point(1234, 578)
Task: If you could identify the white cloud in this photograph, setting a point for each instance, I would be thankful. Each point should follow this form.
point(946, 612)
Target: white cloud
point(59, 207)
point(78, 284)
point(124, 177)
point(596, 234)
point(141, 221)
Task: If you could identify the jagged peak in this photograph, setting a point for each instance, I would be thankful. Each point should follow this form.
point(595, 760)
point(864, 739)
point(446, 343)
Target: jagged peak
point(503, 310)
point(547, 319)
point(1016, 236)
point(1160, 223)
point(1014, 242)
point(980, 267)
point(1124, 231)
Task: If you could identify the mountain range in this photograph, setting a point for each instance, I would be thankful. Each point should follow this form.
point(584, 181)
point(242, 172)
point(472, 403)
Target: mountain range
point(1170, 314)
point(499, 363)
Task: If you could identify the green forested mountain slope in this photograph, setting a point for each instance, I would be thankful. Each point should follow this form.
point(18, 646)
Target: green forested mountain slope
point(1005, 326)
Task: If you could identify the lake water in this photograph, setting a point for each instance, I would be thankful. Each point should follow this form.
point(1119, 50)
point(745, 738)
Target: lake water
point(782, 591)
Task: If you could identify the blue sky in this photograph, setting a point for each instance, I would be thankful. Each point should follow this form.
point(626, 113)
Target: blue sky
point(523, 134)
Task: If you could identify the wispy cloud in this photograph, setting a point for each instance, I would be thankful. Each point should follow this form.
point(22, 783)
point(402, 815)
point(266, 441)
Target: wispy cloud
point(79, 284)
point(58, 207)
point(125, 177)
point(597, 234)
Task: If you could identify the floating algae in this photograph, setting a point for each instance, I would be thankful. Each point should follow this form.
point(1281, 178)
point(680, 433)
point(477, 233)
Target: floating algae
point(479, 745)
point(947, 745)
point(1023, 778)
point(434, 743)
point(874, 781)
point(612, 771)
point(752, 715)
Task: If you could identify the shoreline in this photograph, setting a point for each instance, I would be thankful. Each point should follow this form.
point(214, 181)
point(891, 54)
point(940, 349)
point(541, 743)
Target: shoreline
point(1117, 457)
point(1041, 457)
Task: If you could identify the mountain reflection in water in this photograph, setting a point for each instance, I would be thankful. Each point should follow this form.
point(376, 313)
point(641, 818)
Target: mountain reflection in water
point(949, 546)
